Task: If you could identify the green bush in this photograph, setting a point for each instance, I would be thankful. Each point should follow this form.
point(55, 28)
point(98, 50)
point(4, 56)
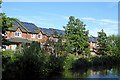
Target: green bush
point(104, 60)
point(30, 48)
point(67, 61)
point(9, 60)
point(81, 63)
point(34, 65)
point(41, 65)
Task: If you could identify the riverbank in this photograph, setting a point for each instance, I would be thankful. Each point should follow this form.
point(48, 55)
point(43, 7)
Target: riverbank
point(42, 65)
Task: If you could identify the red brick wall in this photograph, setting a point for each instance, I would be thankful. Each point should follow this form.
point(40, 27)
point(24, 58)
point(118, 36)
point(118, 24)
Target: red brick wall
point(91, 46)
point(24, 35)
point(28, 36)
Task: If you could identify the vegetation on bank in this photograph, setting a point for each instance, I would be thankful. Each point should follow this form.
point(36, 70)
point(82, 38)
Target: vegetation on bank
point(40, 65)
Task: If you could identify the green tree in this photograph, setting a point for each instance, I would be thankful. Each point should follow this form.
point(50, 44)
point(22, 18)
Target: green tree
point(76, 36)
point(103, 43)
point(0, 3)
point(114, 45)
point(31, 48)
point(6, 23)
point(58, 46)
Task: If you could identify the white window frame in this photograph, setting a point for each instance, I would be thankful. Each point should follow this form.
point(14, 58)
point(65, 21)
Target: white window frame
point(56, 39)
point(93, 44)
point(32, 35)
point(40, 36)
point(19, 34)
point(51, 38)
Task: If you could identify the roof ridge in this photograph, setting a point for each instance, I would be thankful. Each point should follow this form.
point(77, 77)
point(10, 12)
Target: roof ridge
point(22, 25)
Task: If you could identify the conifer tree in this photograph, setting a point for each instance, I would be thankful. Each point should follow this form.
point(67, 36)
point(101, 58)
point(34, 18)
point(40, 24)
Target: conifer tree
point(76, 36)
point(104, 47)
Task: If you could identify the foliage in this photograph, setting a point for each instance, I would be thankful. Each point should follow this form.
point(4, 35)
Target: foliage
point(33, 65)
point(114, 45)
point(58, 46)
point(9, 68)
point(6, 23)
point(0, 1)
point(36, 66)
point(81, 63)
point(103, 43)
point(76, 36)
point(104, 60)
point(67, 61)
point(31, 48)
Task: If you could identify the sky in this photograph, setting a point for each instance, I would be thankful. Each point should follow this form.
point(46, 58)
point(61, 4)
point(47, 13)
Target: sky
point(96, 15)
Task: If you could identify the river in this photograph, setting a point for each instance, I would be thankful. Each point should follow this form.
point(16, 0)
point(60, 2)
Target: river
point(93, 73)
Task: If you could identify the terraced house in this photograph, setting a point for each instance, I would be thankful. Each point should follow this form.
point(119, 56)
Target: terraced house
point(22, 32)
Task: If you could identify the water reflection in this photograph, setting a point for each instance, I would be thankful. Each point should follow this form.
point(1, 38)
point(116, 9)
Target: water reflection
point(96, 72)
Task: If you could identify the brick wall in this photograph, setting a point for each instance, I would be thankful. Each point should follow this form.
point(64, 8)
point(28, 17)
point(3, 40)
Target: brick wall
point(28, 36)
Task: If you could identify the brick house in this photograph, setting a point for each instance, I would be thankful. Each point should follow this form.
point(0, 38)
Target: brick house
point(93, 42)
point(22, 32)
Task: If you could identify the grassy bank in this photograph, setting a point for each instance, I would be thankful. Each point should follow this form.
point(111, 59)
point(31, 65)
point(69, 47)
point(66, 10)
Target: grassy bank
point(24, 66)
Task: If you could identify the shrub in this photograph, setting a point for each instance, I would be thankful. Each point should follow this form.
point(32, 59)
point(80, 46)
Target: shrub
point(9, 60)
point(81, 63)
point(67, 61)
point(34, 47)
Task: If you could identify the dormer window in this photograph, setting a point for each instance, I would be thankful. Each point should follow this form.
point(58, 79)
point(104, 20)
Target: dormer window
point(32, 35)
point(39, 36)
point(18, 34)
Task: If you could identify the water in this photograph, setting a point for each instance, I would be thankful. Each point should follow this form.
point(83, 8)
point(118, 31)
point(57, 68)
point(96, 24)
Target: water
point(109, 73)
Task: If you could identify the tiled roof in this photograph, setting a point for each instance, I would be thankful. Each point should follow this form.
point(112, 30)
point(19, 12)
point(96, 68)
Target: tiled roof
point(31, 27)
point(46, 31)
point(59, 31)
point(15, 26)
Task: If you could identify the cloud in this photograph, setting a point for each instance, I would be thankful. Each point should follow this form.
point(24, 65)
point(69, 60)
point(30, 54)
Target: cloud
point(66, 17)
point(109, 30)
point(87, 18)
point(108, 21)
point(103, 23)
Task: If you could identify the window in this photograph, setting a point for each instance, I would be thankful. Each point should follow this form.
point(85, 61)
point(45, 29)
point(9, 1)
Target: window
point(18, 34)
point(93, 44)
point(33, 36)
point(56, 40)
point(51, 38)
point(45, 36)
point(90, 43)
point(39, 36)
